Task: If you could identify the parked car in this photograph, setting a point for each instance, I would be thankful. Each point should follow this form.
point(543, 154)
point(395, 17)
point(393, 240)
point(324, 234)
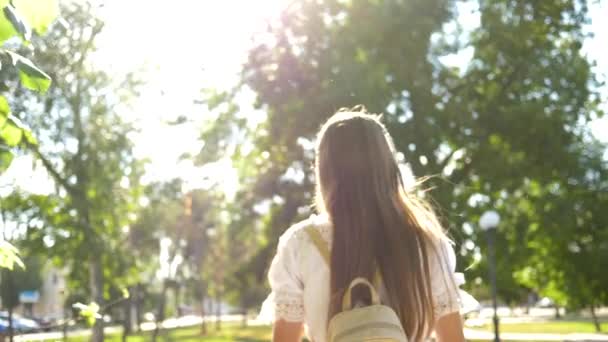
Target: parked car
point(3, 326)
point(45, 323)
point(545, 302)
point(20, 324)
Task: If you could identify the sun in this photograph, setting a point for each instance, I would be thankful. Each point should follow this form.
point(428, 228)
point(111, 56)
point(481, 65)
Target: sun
point(182, 47)
point(182, 31)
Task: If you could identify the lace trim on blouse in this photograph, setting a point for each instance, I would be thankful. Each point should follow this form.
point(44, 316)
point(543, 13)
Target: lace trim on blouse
point(446, 303)
point(289, 307)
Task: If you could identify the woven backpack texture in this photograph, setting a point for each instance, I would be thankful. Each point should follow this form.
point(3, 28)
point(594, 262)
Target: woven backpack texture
point(372, 323)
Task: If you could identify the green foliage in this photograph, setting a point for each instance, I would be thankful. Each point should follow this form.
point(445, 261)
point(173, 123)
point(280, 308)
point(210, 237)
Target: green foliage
point(9, 256)
point(5, 110)
point(21, 16)
point(31, 77)
point(38, 14)
point(87, 152)
point(17, 23)
point(190, 225)
point(11, 134)
point(16, 18)
point(15, 281)
point(89, 312)
point(506, 132)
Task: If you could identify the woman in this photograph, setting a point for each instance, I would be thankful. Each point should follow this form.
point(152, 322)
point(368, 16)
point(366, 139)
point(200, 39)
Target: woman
point(372, 225)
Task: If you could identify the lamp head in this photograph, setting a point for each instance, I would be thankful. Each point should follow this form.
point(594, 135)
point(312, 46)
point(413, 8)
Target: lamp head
point(489, 220)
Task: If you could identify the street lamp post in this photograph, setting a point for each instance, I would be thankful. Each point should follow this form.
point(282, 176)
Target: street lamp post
point(489, 222)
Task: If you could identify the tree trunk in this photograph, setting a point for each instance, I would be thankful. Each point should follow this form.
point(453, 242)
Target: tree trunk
point(64, 326)
point(177, 292)
point(139, 297)
point(11, 331)
point(557, 313)
point(204, 319)
point(218, 313)
point(64, 329)
point(596, 322)
point(244, 312)
point(244, 321)
point(160, 316)
point(127, 322)
point(96, 279)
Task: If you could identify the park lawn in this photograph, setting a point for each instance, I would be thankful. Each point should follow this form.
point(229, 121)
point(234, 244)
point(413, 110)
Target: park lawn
point(229, 333)
point(234, 332)
point(552, 327)
point(191, 334)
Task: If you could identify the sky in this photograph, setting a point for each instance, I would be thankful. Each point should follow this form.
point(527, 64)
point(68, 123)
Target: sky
point(184, 46)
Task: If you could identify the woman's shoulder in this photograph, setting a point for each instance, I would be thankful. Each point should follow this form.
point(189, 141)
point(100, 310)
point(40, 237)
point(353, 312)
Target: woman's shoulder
point(442, 252)
point(297, 232)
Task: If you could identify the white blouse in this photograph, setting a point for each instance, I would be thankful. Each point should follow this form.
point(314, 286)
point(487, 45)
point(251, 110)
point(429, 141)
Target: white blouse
point(299, 279)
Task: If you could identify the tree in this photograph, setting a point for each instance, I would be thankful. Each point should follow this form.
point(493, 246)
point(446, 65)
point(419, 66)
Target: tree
point(181, 222)
point(486, 133)
point(85, 149)
point(13, 282)
point(156, 235)
point(17, 16)
point(538, 153)
point(15, 22)
point(571, 212)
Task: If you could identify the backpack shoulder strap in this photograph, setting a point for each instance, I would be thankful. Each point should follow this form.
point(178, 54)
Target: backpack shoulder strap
point(321, 245)
point(317, 240)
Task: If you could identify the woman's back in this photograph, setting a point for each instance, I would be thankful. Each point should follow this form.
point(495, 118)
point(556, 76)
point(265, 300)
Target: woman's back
point(299, 279)
point(372, 226)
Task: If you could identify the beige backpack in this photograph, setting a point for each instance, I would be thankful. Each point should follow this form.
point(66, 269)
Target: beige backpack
point(373, 323)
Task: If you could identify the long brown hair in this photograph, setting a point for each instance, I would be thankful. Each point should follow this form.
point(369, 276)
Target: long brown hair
point(377, 224)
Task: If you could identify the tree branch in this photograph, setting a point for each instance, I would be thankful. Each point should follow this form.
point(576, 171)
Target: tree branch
point(53, 171)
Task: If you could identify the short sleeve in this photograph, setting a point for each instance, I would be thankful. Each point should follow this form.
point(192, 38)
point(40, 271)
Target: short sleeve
point(444, 280)
point(286, 299)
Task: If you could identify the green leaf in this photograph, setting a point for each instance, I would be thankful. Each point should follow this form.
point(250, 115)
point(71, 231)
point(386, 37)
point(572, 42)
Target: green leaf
point(11, 134)
point(9, 256)
point(5, 110)
point(19, 24)
point(125, 293)
point(39, 14)
point(29, 137)
point(4, 107)
point(31, 77)
point(89, 312)
point(7, 30)
point(6, 158)
point(27, 133)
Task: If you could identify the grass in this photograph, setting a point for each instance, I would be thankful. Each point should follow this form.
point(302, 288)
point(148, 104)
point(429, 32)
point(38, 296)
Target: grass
point(551, 327)
point(228, 333)
point(235, 333)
